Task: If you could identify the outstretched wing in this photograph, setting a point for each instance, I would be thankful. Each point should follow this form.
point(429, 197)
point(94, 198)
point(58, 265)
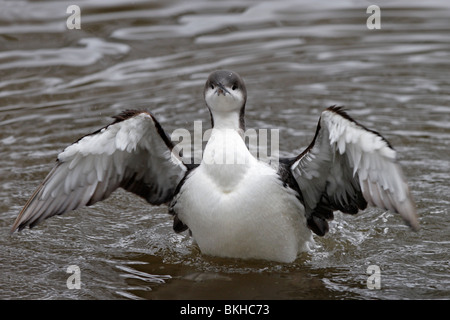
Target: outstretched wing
point(347, 167)
point(133, 153)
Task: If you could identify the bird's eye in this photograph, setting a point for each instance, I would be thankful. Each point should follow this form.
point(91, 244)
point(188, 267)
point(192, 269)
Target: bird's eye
point(234, 87)
point(211, 86)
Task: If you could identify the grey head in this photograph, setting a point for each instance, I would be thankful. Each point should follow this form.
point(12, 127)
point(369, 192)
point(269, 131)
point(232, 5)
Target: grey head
point(225, 96)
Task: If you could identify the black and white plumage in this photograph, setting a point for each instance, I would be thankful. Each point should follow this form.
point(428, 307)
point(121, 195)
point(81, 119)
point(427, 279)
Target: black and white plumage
point(133, 152)
point(245, 208)
point(347, 167)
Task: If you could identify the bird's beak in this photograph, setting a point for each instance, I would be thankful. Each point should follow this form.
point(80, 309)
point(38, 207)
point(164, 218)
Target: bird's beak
point(221, 89)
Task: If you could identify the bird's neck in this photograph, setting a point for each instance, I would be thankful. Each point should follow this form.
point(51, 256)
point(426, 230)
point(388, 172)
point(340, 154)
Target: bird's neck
point(228, 120)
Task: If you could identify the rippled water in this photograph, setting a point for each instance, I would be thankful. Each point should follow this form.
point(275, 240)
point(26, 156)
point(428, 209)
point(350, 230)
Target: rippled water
point(297, 58)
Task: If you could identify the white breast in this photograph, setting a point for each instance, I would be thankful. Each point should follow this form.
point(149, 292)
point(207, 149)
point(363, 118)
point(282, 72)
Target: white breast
point(226, 159)
point(240, 208)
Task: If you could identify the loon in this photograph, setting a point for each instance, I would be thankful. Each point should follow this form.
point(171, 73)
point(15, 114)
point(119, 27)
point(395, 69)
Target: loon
point(247, 209)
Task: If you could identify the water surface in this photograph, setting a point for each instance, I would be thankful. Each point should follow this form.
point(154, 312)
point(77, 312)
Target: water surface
point(297, 58)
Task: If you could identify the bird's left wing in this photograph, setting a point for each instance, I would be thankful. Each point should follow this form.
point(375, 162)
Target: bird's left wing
point(133, 152)
point(346, 167)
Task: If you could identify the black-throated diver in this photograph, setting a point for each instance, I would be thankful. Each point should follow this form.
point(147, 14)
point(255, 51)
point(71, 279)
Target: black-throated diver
point(249, 209)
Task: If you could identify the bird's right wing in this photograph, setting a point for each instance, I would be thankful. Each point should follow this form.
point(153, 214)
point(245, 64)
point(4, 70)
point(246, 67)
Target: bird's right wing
point(133, 153)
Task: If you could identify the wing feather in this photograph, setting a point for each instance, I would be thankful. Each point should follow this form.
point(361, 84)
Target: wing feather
point(348, 167)
point(133, 152)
